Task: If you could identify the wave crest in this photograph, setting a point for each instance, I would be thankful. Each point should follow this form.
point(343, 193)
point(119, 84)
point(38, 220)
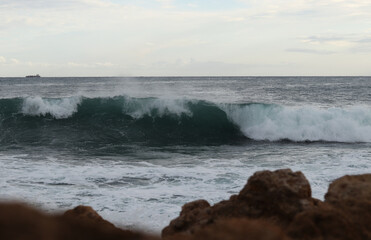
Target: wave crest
point(155, 107)
point(274, 122)
point(58, 108)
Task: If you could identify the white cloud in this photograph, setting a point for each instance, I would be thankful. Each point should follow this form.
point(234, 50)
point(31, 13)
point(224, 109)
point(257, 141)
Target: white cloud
point(106, 64)
point(90, 65)
point(192, 5)
point(338, 8)
point(308, 50)
point(47, 4)
point(339, 41)
point(14, 61)
point(11, 61)
point(166, 3)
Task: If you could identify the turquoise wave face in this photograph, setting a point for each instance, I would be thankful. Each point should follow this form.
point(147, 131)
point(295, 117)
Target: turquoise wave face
point(85, 123)
point(91, 123)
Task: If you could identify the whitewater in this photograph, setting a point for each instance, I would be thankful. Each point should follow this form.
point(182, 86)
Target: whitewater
point(136, 149)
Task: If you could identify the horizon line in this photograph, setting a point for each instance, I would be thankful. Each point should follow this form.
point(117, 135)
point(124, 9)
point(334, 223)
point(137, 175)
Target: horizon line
point(191, 76)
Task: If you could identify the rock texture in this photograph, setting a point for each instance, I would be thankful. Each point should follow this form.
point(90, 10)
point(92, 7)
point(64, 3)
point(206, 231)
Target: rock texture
point(275, 196)
point(272, 206)
point(352, 195)
point(345, 214)
point(236, 229)
point(323, 223)
point(282, 199)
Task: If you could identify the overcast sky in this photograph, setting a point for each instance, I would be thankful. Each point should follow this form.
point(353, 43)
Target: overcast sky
point(185, 37)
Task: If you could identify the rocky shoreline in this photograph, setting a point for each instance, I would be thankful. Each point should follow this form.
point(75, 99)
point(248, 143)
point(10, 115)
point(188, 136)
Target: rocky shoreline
point(273, 205)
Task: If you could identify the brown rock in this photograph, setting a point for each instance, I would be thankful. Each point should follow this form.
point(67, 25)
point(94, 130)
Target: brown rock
point(277, 196)
point(323, 223)
point(24, 223)
point(235, 229)
point(282, 181)
point(352, 196)
point(350, 189)
point(86, 214)
point(83, 222)
point(344, 215)
point(241, 229)
point(191, 212)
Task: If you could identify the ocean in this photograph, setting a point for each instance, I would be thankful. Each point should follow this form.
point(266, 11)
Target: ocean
point(137, 148)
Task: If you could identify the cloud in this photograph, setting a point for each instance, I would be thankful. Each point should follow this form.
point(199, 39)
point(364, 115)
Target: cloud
point(194, 67)
point(90, 65)
point(105, 64)
point(311, 51)
point(326, 8)
point(329, 38)
point(361, 49)
point(192, 5)
point(14, 61)
point(364, 40)
point(47, 4)
point(353, 42)
point(45, 16)
point(166, 3)
point(11, 61)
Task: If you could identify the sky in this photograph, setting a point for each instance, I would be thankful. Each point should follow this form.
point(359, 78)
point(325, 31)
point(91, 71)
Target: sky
point(185, 37)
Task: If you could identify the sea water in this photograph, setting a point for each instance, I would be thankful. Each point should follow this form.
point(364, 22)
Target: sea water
point(137, 149)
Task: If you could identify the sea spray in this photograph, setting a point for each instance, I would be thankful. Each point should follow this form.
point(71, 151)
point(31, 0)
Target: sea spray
point(155, 107)
point(57, 107)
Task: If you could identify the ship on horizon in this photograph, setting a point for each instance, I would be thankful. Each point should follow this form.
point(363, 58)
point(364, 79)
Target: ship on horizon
point(33, 76)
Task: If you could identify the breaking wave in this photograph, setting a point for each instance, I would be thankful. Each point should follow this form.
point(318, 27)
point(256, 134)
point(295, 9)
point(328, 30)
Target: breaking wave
point(274, 122)
point(97, 122)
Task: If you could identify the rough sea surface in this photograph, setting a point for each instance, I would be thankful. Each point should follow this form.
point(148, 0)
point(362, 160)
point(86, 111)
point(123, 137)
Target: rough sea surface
point(137, 149)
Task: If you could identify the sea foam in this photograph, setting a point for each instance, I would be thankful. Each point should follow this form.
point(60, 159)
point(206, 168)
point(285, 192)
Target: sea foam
point(58, 108)
point(275, 122)
point(155, 107)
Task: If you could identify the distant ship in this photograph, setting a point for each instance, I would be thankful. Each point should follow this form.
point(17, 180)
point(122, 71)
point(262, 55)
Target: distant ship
point(33, 76)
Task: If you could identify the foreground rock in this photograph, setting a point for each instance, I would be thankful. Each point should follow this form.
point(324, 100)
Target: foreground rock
point(236, 229)
point(24, 223)
point(282, 199)
point(274, 196)
point(352, 195)
point(345, 214)
point(272, 206)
